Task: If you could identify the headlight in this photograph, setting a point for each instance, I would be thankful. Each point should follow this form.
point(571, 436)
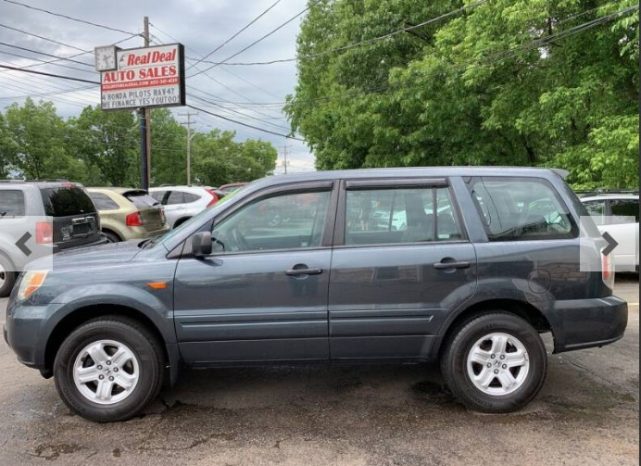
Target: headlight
point(30, 283)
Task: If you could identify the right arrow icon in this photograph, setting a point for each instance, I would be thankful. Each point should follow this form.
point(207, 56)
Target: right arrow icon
point(611, 243)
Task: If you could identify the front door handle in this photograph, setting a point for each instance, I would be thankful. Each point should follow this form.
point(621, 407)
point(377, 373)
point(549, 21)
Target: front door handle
point(450, 263)
point(302, 269)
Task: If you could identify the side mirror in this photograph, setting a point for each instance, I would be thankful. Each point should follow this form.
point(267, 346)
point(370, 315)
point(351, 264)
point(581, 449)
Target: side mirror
point(201, 244)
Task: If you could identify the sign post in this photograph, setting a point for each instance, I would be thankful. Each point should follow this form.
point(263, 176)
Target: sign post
point(140, 79)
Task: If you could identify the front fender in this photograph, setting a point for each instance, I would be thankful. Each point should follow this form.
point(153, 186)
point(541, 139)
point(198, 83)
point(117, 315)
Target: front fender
point(155, 305)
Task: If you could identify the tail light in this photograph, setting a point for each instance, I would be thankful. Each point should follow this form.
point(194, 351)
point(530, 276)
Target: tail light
point(44, 233)
point(214, 196)
point(134, 220)
point(607, 270)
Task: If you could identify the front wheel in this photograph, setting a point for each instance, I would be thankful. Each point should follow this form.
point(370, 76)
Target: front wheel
point(108, 369)
point(495, 363)
point(7, 277)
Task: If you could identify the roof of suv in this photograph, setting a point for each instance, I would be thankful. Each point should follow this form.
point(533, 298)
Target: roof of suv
point(412, 172)
point(37, 183)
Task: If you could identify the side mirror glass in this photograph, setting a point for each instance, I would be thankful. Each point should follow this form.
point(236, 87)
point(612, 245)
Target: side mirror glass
point(201, 244)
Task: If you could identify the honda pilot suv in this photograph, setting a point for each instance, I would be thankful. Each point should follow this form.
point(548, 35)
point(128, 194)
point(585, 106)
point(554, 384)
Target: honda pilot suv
point(466, 266)
point(55, 215)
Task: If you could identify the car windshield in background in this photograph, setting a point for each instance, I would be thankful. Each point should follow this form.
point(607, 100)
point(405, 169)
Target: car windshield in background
point(63, 201)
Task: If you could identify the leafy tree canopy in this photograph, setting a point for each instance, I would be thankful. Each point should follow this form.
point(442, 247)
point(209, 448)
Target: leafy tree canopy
point(505, 82)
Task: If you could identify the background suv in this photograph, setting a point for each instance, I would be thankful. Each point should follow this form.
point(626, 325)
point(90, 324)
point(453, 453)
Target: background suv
point(127, 213)
point(618, 214)
point(183, 202)
point(73, 221)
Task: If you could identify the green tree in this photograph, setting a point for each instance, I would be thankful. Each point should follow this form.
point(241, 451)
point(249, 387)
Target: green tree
point(107, 143)
point(169, 149)
point(507, 82)
point(5, 149)
point(37, 146)
point(218, 159)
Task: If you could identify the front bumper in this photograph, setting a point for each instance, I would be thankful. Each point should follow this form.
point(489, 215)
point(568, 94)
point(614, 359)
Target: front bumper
point(24, 332)
point(586, 323)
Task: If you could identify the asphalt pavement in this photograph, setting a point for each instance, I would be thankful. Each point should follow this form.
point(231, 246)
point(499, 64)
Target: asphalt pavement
point(587, 413)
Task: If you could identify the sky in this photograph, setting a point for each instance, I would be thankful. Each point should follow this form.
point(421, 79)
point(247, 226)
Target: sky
point(252, 94)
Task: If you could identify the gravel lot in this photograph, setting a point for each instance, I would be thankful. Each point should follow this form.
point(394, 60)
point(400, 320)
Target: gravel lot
point(587, 413)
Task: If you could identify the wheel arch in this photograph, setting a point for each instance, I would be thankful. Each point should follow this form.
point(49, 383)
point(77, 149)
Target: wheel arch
point(113, 232)
point(522, 309)
point(83, 314)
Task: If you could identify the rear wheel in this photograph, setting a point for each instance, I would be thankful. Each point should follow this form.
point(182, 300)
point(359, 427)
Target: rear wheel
point(111, 237)
point(109, 369)
point(495, 363)
point(7, 277)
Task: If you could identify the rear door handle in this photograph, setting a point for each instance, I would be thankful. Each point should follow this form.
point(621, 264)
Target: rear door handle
point(449, 263)
point(301, 269)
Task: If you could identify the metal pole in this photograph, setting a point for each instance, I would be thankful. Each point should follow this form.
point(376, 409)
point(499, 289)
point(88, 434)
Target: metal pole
point(144, 174)
point(189, 136)
point(147, 117)
point(285, 157)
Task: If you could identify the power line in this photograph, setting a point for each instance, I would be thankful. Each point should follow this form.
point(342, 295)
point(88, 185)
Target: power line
point(260, 39)
point(345, 47)
point(4, 52)
point(244, 124)
point(46, 94)
point(240, 113)
point(43, 38)
point(71, 18)
point(236, 34)
point(70, 78)
point(45, 54)
point(69, 58)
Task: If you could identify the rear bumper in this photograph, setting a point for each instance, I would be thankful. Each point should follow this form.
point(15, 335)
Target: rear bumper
point(586, 323)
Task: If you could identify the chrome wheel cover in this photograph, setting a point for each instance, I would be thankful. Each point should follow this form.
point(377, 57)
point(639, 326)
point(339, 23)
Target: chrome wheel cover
point(106, 372)
point(498, 364)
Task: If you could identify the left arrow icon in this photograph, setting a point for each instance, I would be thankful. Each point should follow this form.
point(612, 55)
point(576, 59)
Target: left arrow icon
point(22, 244)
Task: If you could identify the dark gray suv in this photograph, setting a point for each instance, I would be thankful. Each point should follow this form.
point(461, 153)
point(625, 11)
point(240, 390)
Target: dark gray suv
point(462, 265)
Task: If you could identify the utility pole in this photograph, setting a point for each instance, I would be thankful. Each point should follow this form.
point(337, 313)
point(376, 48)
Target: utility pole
point(285, 157)
point(189, 137)
point(145, 129)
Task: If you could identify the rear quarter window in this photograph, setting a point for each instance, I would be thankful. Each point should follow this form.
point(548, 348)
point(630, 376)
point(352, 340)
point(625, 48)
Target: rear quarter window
point(521, 209)
point(142, 200)
point(12, 203)
point(103, 202)
point(64, 201)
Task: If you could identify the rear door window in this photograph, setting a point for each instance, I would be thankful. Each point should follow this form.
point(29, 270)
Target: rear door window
point(521, 209)
point(11, 203)
point(400, 215)
point(175, 197)
point(65, 201)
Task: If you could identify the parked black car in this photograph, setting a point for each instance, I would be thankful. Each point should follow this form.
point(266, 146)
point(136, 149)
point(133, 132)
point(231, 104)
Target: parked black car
point(466, 266)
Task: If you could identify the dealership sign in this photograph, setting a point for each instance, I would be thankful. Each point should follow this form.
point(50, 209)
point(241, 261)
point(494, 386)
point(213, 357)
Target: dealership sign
point(142, 77)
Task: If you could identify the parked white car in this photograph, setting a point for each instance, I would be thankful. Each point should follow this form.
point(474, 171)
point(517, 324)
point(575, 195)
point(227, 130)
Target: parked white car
point(618, 214)
point(183, 202)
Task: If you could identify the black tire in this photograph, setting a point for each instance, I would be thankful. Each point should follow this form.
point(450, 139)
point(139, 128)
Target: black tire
point(112, 237)
point(7, 275)
point(143, 344)
point(454, 362)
